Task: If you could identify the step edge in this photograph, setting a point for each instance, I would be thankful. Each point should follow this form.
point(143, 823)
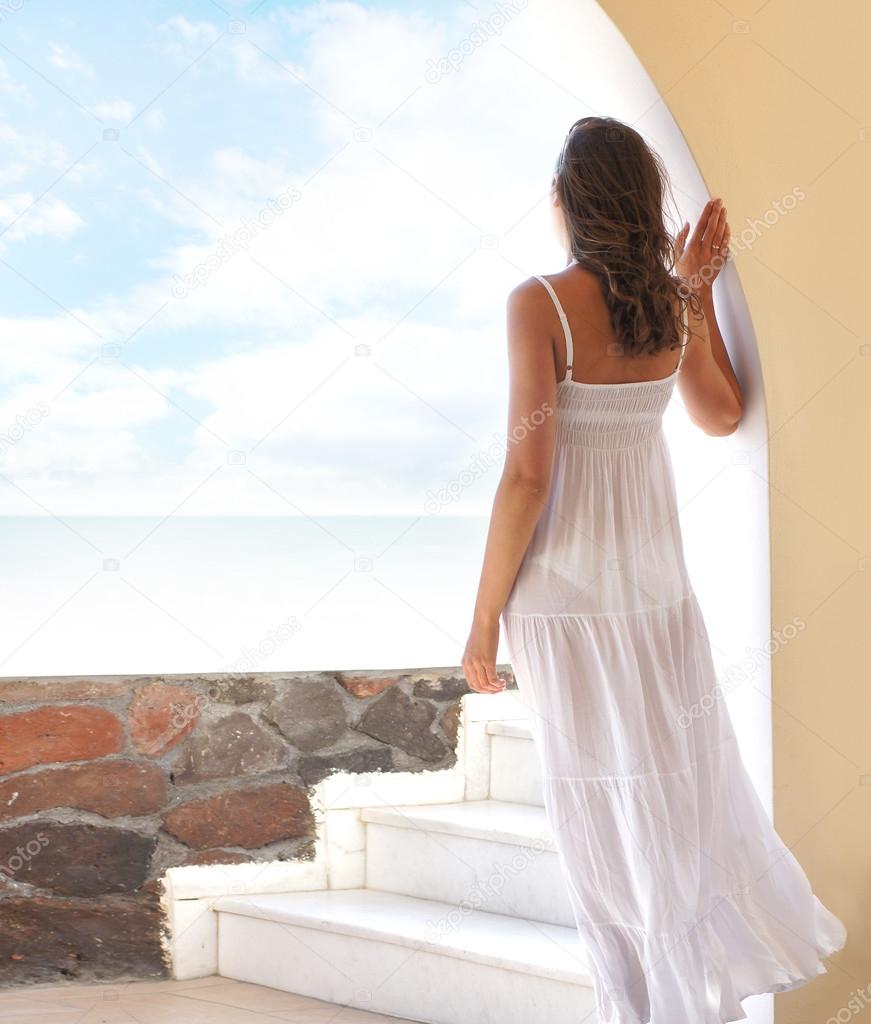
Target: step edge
point(404, 818)
point(579, 977)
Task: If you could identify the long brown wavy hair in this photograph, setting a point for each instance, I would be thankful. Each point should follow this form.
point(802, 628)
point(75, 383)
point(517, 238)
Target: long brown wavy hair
point(611, 187)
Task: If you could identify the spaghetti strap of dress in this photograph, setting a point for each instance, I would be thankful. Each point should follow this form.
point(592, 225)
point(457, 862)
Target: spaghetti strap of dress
point(564, 321)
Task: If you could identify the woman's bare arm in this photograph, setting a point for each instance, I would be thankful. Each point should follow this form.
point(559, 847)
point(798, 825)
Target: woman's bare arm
point(525, 483)
point(707, 383)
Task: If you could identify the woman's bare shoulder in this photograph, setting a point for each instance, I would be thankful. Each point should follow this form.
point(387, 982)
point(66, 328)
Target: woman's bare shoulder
point(528, 303)
point(529, 290)
point(573, 280)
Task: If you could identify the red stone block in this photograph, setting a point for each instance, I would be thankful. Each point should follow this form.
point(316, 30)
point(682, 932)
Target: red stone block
point(361, 685)
point(110, 788)
point(249, 818)
point(161, 715)
point(66, 733)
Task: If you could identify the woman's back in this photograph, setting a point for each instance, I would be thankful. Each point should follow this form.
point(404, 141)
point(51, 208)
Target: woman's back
point(600, 357)
point(608, 539)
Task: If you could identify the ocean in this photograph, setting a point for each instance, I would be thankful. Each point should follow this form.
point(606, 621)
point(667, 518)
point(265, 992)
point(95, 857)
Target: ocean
point(142, 595)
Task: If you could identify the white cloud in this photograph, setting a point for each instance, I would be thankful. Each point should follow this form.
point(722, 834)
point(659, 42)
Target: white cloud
point(182, 34)
point(155, 120)
point(26, 152)
point(386, 239)
point(258, 60)
point(49, 216)
point(115, 110)
point(50, 348)
point(192, 31)
point(66, 59)
point(9, 87)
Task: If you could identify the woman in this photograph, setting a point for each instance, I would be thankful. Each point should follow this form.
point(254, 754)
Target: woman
point(686, 899)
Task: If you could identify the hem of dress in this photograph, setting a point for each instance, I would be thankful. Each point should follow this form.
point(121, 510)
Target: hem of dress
point(775, 988)
point(788, 986)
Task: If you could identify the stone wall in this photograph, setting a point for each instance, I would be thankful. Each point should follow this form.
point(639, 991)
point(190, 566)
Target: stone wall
point(106, 782)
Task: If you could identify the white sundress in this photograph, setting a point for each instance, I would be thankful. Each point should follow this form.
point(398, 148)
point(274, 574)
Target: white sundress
point(686, 899)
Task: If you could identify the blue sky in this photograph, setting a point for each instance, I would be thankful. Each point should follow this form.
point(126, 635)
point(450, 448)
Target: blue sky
point(351, 359)
point(353, 351)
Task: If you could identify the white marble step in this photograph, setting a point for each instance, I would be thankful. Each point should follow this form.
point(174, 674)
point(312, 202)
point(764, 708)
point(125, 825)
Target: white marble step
point(488, 854)
point(515, 771)
point(516, 727)
point(398, 955)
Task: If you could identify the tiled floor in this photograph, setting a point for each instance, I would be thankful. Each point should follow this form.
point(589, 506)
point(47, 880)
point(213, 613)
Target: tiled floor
point(204, 1001)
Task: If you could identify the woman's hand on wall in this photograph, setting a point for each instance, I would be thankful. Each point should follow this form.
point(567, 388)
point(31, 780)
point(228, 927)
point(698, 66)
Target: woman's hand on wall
point(700, 257)
point(479, 658)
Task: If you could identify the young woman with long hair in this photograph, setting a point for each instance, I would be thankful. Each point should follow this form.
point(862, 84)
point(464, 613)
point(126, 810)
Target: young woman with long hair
point(686, 899)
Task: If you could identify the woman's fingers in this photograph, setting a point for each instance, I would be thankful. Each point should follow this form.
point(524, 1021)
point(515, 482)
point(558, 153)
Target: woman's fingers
point(494, 681)
point(482, 676)
point(702, 223)
point(487, 675)
point(475, 677)
point(717, 238)
point(727, 235)
point(713, 223)
point(709, 240)
point(470, 673)
point(479, 658)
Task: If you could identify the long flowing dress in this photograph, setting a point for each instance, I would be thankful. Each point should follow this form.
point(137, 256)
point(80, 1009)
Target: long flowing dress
point(686, 899)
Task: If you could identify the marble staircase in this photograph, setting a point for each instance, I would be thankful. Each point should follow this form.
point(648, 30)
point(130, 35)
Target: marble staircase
point(451, 912)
